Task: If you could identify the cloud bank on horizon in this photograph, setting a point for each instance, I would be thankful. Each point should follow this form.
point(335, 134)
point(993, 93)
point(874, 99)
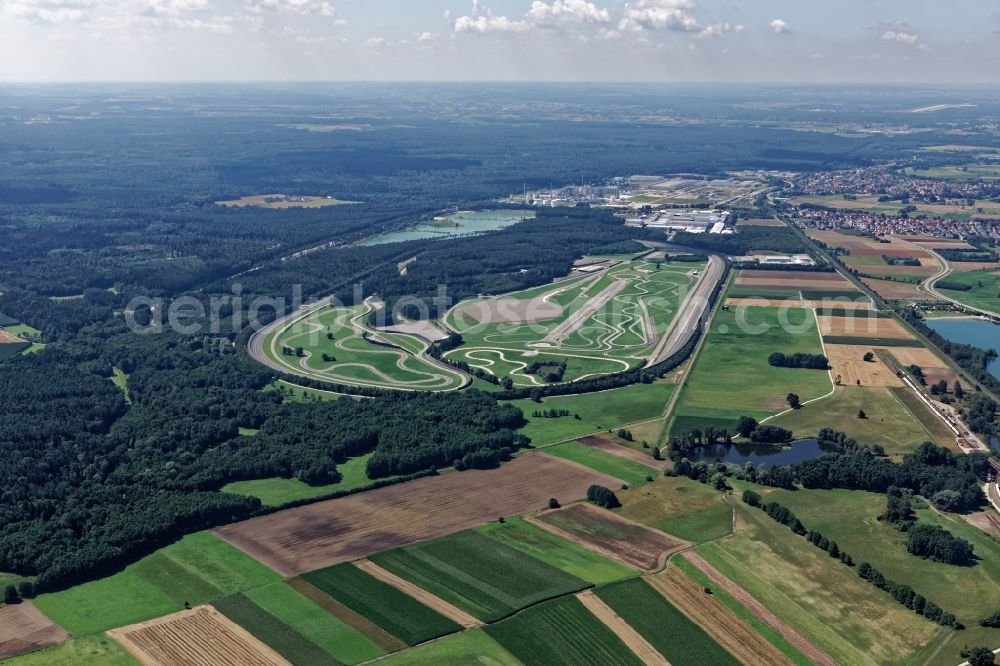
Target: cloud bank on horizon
point(572, 40)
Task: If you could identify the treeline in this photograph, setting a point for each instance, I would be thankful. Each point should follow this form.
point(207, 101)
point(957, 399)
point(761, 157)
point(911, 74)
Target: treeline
point(950, 482)
point(903, 594)
point(799, 360)
point(745, 240)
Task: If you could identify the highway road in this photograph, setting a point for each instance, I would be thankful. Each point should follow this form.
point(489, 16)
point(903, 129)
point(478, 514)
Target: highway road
point(929, 285)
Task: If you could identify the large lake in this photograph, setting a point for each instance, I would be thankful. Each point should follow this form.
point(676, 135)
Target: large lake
point(464, 223)
point(740, 454)
point(976, 332)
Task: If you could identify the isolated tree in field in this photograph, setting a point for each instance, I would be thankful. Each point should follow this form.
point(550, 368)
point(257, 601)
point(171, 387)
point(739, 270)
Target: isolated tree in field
point(553, 503)
point(10, 595)
point(746, 425)
point(958, 390)
point(26, 589)
point(869, 357)
point(300, 352)
point(602, 496)
point(793, 400)
point(861, 414)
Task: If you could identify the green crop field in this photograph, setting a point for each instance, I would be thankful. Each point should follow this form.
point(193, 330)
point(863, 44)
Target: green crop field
point(958, 172)
point(923, 413)
point(284, 640)
point(196, 569)
point(735, 356)
point(985, 292)
point(399, 614)
point(769, 633)
point(847, 617)
point(345, 643)
point(678, 506)
point(278, 491)
point(557, 551)
point(850, 518)
point(678, 639)
point(601, 410)
point(581, 639)
point(356, 358)
point(468, 647)
point(596, 324)
point(889, 422)
point(627, 470)
point(480, 575)
point(85, 651)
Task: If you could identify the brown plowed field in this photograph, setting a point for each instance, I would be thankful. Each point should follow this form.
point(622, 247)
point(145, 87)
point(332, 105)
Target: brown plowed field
point(348, 528)
point(8, 338)
point(790, 634)
point(848, 362)
point(722, 624)
point(596, 442)
point(862, 327)
point(792, 276)
point(608, 533)
point(198, 637)
point(897, 291)
point(24, 628)
point(622, 629)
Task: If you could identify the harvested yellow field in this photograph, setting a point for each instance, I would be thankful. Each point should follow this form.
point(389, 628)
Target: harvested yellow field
point(862, 327)
point(198, 637)
point(847, 363)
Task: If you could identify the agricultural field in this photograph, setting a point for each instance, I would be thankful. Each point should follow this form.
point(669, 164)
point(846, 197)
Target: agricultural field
point(394, 611)
point(630, 471)
point(596, 323)
point(598, 411)
point(336, 344)
point(271, 631)
point(315, 624)
point(278, 491)
point(736, 348)
point(984, 292)
point(826, 601)
point(608, 533)
point(480, 575)
point(347, 528)
point(280, 201)
point(888, 421)
point(24, 628)
point(791, 284)
point(983, 209)
point(196, 569)
point(583, 640)
point(893, 290)
point(985, 171)
point(561, 553)
point(851, 519)
point(792, 644)
point(200, 636)
point(669, 630)
point(678, 506)
point(468, 647)
point(849, 367)
point(84, 651)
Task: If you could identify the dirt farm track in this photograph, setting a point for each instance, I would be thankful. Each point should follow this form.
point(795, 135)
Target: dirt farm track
point(347, 528)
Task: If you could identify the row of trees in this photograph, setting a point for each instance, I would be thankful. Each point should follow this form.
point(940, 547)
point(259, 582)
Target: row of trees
point(799, 360)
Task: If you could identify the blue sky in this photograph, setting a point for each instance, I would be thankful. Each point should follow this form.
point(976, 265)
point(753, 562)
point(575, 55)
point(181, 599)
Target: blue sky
point(905, 41)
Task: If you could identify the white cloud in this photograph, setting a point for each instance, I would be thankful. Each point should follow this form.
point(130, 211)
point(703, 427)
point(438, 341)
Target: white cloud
point(558, 15)
point(218, 25)
point(375, 43)
point(779, 27)
point(165, 8)
point(719, 30)
point(293, 7)
point(900, 37)
point(49, 11)
point(658, 15)
point(425, 37)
